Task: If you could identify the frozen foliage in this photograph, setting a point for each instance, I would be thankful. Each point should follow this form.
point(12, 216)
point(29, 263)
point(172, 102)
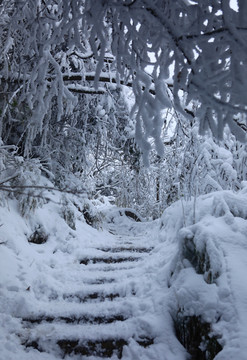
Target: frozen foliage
point(201, 41)
point(87, 140)
point(192, 165)
point(22, 179)
point(51, 50)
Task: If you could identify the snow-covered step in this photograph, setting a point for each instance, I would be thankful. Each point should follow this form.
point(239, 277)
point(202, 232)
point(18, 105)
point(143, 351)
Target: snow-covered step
point(107, 348)
point(102, 267)
point(109, 271)
point(75, 319)
point(99, 293)
point(55, 331)
point(122, 289)
point(127, 306)
point(104, 348)
point(90, 297)
point(98, 281)
point(108, 260)
point(126, 249)
point(98, 340)
point(98, 296)
point(116, 249)
point(122, 286)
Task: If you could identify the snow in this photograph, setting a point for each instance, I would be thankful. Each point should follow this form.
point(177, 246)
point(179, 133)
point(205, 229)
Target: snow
point(47, 280)
point(220, 228)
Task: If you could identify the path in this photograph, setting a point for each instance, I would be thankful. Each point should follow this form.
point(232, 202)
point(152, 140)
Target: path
point(101, 310)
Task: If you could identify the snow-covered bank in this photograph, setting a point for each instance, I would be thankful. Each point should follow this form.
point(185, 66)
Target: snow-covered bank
point(187, 269)
point(208, 274)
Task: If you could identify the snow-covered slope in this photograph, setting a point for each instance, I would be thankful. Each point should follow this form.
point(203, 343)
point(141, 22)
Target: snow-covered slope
point(127, 289)
point(208, 275)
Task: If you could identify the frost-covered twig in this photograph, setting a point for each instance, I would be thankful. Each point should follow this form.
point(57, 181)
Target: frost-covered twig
point(50, 188)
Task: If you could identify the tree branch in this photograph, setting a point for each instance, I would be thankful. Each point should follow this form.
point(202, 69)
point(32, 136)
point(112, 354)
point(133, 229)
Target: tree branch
point(16, 187)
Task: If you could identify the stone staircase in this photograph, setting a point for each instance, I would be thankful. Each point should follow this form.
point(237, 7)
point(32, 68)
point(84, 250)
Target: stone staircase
point(102, 312)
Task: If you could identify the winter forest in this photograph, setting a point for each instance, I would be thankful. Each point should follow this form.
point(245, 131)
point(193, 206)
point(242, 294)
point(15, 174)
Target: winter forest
point(123, 179)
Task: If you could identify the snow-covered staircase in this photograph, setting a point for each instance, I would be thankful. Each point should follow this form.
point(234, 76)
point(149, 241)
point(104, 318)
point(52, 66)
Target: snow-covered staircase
point(103, 309)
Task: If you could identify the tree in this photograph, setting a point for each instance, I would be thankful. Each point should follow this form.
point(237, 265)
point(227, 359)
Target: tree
point(44, 44)
point(204, 42)
point(63, 68)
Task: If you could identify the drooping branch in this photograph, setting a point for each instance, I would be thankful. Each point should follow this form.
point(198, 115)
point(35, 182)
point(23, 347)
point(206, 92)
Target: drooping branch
point(75, 82)
point(106, 78)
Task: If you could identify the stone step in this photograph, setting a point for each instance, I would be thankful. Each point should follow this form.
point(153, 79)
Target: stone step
point(104, 348)
point(113, 267)
point(100, 281)
point(75, 319)
point(99, 296)
point(92, 272)
point(55, 331)
point(95, 296)
point(121, 249)
point(68, 309)
point(108, 260)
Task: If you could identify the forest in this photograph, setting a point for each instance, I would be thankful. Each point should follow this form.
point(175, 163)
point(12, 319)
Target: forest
point(123, 127)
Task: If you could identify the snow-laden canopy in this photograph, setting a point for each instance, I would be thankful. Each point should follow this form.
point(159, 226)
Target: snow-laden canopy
point(196, 47)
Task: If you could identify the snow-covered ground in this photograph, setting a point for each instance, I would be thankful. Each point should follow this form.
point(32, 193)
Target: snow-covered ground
point(192, 262)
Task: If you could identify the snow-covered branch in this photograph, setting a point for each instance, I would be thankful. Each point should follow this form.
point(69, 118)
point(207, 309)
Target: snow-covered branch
point(51, 52)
